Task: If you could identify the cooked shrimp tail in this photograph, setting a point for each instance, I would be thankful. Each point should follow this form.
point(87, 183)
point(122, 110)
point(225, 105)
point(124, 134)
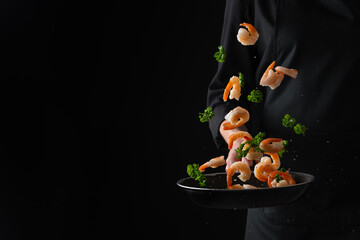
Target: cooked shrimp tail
point(213, 163)
point(289, 72)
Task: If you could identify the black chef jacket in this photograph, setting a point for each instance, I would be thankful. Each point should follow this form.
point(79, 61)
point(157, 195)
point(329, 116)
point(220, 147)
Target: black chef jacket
point(321, 39)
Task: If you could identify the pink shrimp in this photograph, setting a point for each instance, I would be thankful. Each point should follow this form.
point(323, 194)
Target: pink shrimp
point(235, 86)
point(236, 117)
point(213, 163)
point(245, 174)
point(265, 166)
point(248, 35)
point(272, 145)
point(242, 134)
point(273, 78)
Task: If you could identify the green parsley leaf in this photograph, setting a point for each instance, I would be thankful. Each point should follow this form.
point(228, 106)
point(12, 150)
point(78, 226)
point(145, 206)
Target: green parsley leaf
point(255, 96)
point(220, 55)
point(300, 129)
point(206, 115)
point(288, 121)
point(253, 143)
point(285, 143)
point(194, 172)
point(278, 178)
point(242, 79)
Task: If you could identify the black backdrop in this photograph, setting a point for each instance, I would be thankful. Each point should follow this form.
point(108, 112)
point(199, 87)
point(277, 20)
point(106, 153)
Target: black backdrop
point(173, 47)
point(88, 87)
point(59, 118)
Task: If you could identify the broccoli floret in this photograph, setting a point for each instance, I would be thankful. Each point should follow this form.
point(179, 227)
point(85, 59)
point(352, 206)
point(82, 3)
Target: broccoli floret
point(255, 96)
point(193, 171)
point(300, 129)
point(288, 121)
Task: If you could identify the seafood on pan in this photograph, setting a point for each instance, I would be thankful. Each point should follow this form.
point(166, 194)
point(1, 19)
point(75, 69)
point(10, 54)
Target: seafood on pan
point(265, 152)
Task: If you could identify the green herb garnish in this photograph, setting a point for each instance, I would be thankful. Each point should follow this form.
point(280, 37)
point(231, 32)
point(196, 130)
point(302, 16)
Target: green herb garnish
point(206, 115)
point(255, 96)
point(253, 143)
point(288, 121)
point(285, 143)
point(220, 55)
point(300, 129)
point(278, 178)
point(242, 79)
point(193, 171)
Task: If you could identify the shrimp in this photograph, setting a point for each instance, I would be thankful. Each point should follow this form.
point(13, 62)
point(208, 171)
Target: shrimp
point(235, 86)
point(275, 164)
point(265, 166)
point(289, 72)
point(248, 186)
point(262, 171)
point(242, 134)
point(248, 35)
point(272, 145)
point(245, 174)
point(213, 163)
point(280, 179)
point(273, 78)
point(236, 117)
point(254, 155)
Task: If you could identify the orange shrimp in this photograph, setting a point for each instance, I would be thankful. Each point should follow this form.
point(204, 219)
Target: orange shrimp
point(289, 72)
point(265, 166)
point(236, 117)
point(285, 181)
point(262, 170)
point(275, 164)
point(248, 35)
point(235, 86)
point(245, 174)
point(242, 134)
point(273, 78)
point(272, 145)
point(213, 163)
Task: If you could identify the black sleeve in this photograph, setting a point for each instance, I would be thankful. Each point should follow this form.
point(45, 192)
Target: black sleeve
point(239, 58)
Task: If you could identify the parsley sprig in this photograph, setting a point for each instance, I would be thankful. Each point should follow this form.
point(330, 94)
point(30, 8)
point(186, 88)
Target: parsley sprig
point(255, 96)
point(290, 122)
point(206, 115)
point(220, 55)
point(253, 143)
point(194, 172)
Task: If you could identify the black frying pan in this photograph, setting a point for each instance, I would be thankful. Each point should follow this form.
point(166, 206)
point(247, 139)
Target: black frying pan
point(215, 194)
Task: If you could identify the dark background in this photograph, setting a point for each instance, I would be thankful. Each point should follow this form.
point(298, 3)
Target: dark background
point(174, 43)
point(60, 120)
point(88, 87)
